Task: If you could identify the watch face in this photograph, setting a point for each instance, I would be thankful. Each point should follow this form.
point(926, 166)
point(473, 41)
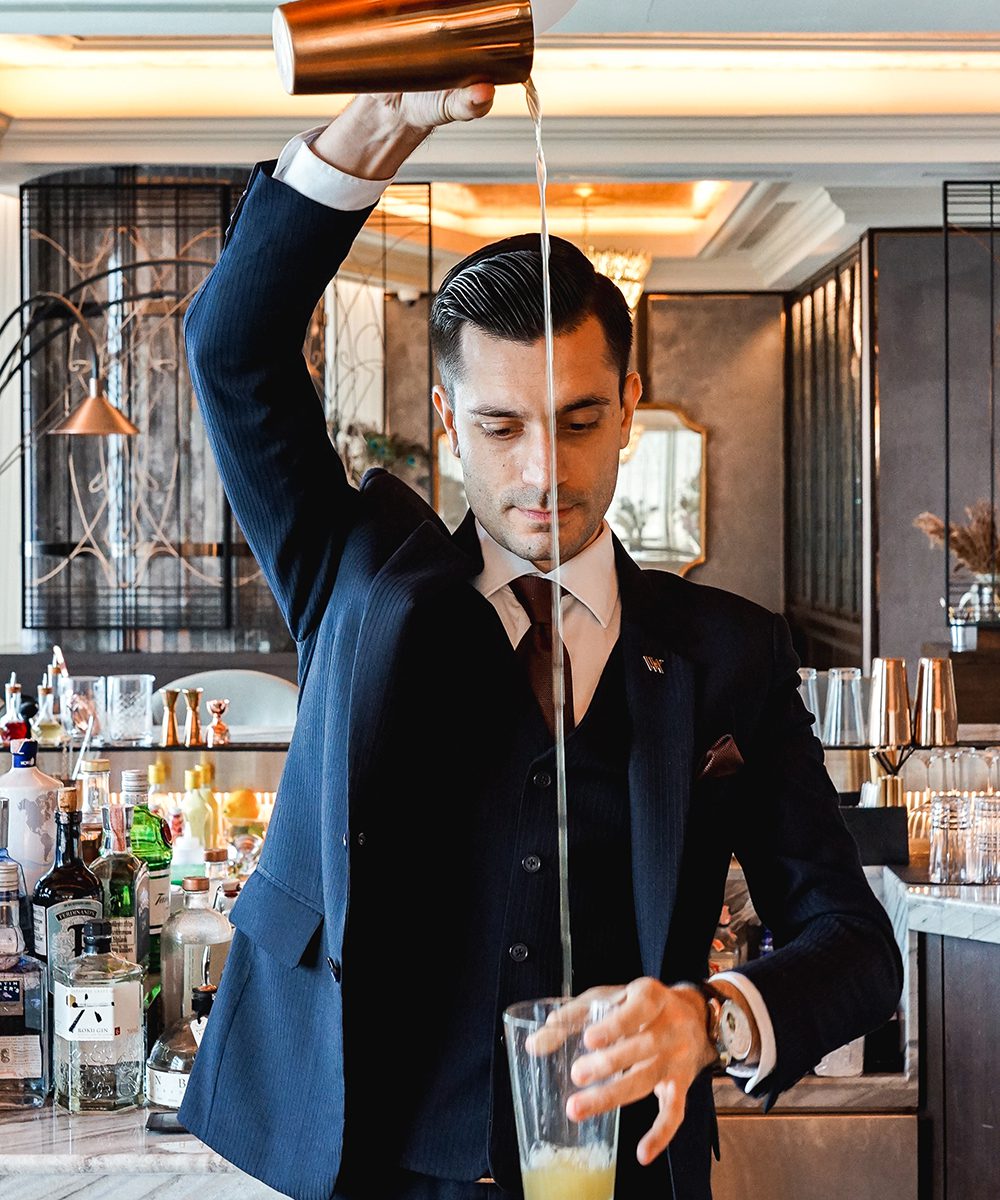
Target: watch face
point(735, 1031)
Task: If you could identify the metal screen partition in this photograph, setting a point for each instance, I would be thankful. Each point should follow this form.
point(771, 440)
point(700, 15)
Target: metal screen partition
point(129, 543)
point(971, 243)
point(825, 345)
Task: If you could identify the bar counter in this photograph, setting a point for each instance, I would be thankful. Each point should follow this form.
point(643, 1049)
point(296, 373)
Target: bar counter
point(45, 1154)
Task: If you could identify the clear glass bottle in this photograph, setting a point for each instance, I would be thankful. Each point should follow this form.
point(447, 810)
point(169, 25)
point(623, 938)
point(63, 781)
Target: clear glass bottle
point(194, 945)
point(125, 881)
point(13, 726)
point(205, 773)
point(216, 871)
point(95, 779)
point(100, 1044)
point(197, 814)
point(23, 897)
point(45, 729)
point(24, 1006)
point(69, 894)
point(156, 779)
point(148, 844)
point(172, 1057)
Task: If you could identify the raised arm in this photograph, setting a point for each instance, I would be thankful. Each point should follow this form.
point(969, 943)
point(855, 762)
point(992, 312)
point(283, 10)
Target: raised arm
point(244, 332)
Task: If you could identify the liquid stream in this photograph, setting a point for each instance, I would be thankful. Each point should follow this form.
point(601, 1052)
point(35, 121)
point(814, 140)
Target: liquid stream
point(558, 671)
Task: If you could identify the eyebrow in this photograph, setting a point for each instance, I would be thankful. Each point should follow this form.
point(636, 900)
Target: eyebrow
point(499, 413)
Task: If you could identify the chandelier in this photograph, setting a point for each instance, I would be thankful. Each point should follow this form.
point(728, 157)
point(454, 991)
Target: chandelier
point(627, 269)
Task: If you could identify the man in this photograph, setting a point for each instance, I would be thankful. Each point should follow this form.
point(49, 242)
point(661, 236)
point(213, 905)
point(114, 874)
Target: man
point(407, 891)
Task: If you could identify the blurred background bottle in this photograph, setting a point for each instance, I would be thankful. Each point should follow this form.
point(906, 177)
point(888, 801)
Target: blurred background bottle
point(95, 784)
point(194, 945)
point(24, 1042)
point(125, 883)
point(31, 830)
point(150, 847)
point(27, 928)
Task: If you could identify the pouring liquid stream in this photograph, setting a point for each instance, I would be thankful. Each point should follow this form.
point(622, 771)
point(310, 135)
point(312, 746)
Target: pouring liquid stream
point(558, 669)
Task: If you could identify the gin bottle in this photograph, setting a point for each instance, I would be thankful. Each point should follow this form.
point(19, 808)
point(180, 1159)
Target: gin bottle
point(70, 893)
point(149, 846)
point(24, 1042)
point(172, 1057)
point(23, 897)
point(125, 883)
point(99, 1037)
point(194, 946)
point(32, 796)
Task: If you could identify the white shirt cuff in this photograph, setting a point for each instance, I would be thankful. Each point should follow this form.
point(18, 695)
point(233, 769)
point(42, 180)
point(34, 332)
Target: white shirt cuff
point(768, 1050)
point(313, 177)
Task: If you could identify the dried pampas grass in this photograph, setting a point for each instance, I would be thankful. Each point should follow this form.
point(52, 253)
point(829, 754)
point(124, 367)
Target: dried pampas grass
point(974, 544)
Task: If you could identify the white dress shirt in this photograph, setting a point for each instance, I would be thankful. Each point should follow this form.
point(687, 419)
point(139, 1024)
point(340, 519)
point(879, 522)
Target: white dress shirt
point(591, 610)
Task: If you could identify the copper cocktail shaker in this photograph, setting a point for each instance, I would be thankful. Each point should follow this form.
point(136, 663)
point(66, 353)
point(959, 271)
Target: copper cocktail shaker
point(325, 46)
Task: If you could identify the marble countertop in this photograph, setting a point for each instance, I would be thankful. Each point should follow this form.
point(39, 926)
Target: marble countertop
point(969, 911)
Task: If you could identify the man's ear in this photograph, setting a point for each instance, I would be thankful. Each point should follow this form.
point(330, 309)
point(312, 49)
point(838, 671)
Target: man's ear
point(447, 414)
point(631, 395)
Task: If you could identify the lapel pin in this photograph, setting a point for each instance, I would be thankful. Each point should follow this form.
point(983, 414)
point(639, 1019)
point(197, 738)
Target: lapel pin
point(653, 664)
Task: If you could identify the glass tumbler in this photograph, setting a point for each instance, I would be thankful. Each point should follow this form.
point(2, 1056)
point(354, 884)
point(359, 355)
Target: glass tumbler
point(950, 822)
point(130, 709)
point(80, 698)
point(984, 840)
point(561, 1159)
point(843, 723)
point(809, 688)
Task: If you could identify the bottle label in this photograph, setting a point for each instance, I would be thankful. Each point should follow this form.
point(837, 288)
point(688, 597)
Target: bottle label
point(123, 937)
point(198, 1029)
point(41, 946)
point(159, 899)
point(97, 1014)
point(61, 921)
point(21, 1057)
point(165, 1087)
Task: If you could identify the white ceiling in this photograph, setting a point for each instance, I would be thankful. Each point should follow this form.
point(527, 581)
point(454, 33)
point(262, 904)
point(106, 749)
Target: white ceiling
point(838, 121)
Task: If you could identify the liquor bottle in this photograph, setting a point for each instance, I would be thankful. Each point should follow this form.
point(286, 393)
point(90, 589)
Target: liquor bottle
point(149, 846)
point(99, 1038)
point(45, 729)
point(95, 781)
point(32, 829)
point(24, 900)
point(125, 883)
point(225, 897)
point(206, 785)
point(13, 726)
point(156, 779)
point(194, 944)
point(168, 1068)
point(197, 814)
point(69, 894)
point(216, 870)
point(24, 1040)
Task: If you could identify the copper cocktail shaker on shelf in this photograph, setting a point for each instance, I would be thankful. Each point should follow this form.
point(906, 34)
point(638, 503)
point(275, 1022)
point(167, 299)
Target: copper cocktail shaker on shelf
point(326, 46)
point(890, 730)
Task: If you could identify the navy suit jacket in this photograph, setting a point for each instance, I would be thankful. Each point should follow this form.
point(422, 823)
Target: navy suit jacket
point(349, 569)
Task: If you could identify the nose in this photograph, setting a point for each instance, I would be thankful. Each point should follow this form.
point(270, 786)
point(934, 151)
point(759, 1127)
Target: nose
point(536, 468)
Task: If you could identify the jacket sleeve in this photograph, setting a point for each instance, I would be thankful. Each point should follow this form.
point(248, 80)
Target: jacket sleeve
point(837, 972)
point(244, 333)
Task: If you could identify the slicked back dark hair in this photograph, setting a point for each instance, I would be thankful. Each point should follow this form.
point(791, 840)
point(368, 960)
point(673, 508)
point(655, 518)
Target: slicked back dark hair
point(499, 290)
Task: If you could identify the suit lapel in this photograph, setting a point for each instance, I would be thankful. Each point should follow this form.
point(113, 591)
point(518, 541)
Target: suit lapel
point(424, 565)
point(661, 707)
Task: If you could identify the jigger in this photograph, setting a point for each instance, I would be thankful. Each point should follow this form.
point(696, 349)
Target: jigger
point(325, 46)
point(889, 726)
point(936, 719)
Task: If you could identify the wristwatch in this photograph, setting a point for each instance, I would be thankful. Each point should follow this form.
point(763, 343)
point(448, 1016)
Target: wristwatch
point(728, 1026)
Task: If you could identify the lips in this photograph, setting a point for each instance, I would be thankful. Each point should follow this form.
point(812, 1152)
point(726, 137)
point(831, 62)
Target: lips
point(543, 517)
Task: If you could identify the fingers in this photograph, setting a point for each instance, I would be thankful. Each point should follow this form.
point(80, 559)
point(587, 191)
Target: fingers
point(620, 1056)
point(569, 1019)
point(636, 1083)
point(671, 1096)
point(644, 999)
point(469, 103)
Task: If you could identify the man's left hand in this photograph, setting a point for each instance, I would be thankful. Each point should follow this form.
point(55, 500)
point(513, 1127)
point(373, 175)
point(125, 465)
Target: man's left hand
point(654, 1041)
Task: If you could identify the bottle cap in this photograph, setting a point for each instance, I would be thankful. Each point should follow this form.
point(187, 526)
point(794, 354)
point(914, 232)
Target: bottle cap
point(44, 689)
point(216, 856)
point(191, 782)
point(134, 781)
point(194, 883)
point(12, 688)
point(156, 773)
point(95, 766)
point(202, 999)
point(96, 934)
point(9, 877)
point(24, 752)
point(230, 886)
point(207, 770)
point(69, 800)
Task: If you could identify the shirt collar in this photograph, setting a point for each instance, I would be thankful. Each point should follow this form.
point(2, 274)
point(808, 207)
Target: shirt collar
point(590, 576)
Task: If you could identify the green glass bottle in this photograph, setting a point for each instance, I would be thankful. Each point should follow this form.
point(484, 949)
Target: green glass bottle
point(125, 881)
point(149, 845)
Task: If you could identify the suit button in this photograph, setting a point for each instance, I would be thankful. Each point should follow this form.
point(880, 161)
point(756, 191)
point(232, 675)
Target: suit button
point(518, 952)
point(361, 839)
point(335, 968)
point(542, 779)
point(345, 840)
point(531, 863)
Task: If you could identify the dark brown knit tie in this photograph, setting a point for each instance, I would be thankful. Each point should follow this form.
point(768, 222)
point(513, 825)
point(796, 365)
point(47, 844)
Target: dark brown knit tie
point(535, 648)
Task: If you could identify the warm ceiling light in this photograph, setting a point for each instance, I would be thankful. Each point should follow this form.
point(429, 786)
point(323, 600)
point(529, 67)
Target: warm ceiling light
point(96, 417)
point(627, 270)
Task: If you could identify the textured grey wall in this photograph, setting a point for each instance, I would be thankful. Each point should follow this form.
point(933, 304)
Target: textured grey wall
point(909, 313)
point(720, 358)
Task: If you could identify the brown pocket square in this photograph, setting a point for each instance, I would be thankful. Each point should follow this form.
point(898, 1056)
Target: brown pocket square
point(721, 759)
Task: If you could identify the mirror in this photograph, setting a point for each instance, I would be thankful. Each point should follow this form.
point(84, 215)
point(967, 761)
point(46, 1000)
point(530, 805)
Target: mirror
point(658, 509)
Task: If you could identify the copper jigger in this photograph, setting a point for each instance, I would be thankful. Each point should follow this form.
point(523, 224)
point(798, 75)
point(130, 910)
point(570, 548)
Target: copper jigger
point(192, 725)
point(168, 734)
point(890, 731)
point(325, 46)
point(936, 718)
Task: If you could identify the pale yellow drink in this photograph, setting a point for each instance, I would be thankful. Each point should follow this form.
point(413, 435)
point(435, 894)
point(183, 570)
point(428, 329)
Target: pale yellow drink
point(567, 1175)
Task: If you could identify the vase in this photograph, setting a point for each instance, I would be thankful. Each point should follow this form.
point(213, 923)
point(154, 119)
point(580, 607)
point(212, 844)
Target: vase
point(981, 603)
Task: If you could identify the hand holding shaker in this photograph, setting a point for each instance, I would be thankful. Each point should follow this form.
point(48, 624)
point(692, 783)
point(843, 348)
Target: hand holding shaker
point(325, 46)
